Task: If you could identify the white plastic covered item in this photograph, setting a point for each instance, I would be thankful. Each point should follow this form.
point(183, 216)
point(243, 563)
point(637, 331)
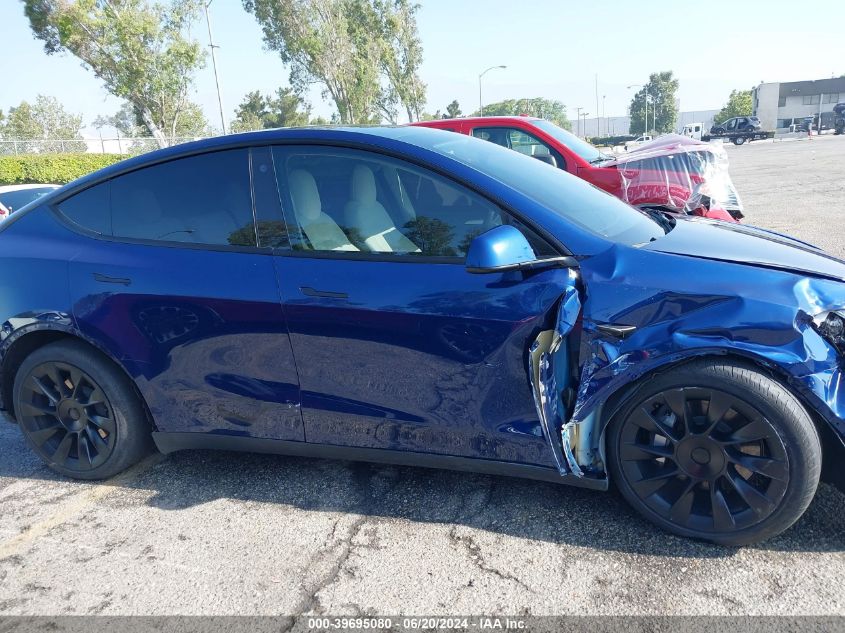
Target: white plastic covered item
point(680, 174)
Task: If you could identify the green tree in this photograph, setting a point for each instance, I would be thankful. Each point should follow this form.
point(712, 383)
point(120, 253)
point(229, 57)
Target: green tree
point(130, 123)
point(327, 42)
point(428, 116)
point(433, 236)
point(140, 50)
point(41, 124)
point(401, 56)
point(364, 53)
point(125, 121)
point(548, 109)
point(739, 104)
point(453, 110)
point(251, 113)
point(662, 111)
point(257, 112)
point(288, 109)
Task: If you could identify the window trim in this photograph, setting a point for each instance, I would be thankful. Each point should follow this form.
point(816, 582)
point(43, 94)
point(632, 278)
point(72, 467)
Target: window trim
point(554, 242)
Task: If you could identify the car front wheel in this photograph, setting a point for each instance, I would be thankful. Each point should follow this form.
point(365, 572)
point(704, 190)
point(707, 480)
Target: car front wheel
point(79, 412)
point(715, 450)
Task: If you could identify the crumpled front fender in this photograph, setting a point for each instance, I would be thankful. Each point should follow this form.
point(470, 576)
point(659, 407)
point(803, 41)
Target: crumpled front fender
point(643, 311)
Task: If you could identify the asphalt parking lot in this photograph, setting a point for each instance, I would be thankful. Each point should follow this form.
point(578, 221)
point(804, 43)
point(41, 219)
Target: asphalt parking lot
point(218, 533)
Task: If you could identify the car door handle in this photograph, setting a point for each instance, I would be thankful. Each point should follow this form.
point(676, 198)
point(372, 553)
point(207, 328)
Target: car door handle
point(106, 279)
point(311, 292)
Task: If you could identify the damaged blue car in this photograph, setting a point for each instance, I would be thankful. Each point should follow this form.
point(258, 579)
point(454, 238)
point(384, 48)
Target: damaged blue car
point(413, 296)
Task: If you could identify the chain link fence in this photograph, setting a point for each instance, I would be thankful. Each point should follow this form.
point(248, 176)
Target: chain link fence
point(130, 146)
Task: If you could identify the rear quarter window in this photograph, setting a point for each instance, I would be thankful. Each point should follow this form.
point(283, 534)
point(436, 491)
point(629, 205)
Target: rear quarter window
point(89, 209)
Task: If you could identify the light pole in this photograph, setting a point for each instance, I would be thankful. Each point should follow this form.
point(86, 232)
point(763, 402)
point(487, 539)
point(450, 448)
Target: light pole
point(604, 116)
point(646, 104)
point(214, 65)
point(578, 121)
point(585, 115)
point(480, 101)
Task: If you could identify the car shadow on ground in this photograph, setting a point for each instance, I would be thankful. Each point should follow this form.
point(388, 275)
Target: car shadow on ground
point(512, 507)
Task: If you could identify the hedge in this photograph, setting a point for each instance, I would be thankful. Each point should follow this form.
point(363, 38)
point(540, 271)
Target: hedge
point(610, 141)
point(51, 168)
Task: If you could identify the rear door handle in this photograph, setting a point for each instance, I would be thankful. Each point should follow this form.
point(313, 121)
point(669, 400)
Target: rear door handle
point(106, 279)
point(311, 292)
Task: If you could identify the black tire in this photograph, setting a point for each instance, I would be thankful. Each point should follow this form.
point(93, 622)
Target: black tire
point(79, 412)
point(744, 478)
point(739, 140)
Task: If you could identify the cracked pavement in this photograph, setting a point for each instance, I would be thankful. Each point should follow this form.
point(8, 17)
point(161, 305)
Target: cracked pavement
point(226, 533)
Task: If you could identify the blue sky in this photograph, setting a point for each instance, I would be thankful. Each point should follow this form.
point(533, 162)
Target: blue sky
point(553, 49)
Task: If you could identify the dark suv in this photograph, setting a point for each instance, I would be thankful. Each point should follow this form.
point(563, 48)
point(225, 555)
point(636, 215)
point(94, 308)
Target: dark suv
point(737, 124)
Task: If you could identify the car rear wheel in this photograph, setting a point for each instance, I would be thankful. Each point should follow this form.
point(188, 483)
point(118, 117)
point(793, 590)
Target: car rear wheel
point(79, 412)
point(716, 450)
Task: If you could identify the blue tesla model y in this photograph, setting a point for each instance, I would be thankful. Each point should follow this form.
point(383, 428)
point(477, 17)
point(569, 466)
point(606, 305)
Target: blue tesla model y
point(420, 297)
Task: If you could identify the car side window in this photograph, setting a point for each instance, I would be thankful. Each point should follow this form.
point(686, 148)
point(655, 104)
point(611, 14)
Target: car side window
point(202, 199)
point(359, 203)
point(89, 209)
point(522, 142)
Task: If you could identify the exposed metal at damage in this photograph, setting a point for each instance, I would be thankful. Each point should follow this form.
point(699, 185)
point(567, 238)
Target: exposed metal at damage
point(549, 358)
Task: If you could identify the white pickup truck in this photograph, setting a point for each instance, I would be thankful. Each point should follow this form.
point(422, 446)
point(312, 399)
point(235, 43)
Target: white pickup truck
point(645, 138)
point(693, 130)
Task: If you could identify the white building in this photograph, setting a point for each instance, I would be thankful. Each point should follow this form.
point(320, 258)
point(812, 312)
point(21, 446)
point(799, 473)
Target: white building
point(620, 125)
point(778, 104)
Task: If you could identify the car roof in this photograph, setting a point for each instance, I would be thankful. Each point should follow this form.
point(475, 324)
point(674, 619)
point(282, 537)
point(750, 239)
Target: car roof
point(477, 119)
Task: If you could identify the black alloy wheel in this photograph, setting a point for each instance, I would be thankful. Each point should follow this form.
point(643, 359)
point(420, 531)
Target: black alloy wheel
point(704, 459)
point(79, 411)
point(715, 449)
point(67, 416)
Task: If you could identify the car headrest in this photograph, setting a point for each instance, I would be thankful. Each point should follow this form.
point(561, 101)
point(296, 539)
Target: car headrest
point(305, 195)
point(363, 184)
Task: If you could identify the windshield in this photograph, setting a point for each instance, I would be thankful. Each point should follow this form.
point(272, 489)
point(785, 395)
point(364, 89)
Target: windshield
point(577, 145)
point(14, 200)
point(569, 197)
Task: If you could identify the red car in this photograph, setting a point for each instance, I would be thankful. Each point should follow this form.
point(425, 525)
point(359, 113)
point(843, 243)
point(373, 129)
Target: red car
point(672, 172)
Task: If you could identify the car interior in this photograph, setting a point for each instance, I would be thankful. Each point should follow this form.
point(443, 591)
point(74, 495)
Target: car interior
point(343, 204)
point(521, 142)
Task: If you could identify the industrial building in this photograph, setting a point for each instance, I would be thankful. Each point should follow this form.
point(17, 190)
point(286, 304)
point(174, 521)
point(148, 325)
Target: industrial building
point(618, 125)
point(779, 105)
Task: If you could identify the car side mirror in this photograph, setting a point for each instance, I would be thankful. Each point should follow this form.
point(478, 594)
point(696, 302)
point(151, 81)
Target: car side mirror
point(505, 248)
point(546, 158)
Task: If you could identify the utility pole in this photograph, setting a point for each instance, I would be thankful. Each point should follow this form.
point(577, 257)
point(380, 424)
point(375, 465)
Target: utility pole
point(212, 46)
point(598, 120)
point(604, 115)
point(578, 122)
